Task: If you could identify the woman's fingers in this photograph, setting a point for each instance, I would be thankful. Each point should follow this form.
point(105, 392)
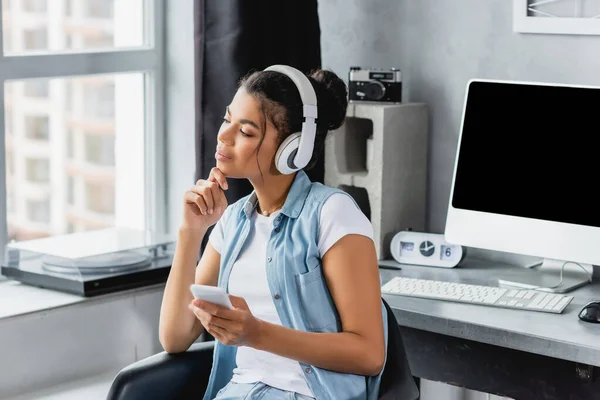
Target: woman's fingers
point(212, 322)
point(206, 193)
point(216, 175)
point(209, 193)
point(220, 334)
point(225, 331)
point(220, 201)
point(191, 198)
point(202, 316)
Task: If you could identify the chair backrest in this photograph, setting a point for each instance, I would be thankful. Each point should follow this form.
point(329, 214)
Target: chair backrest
point(397, 381)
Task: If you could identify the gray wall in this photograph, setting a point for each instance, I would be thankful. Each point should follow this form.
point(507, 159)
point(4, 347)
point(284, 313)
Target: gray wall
point(441, 44)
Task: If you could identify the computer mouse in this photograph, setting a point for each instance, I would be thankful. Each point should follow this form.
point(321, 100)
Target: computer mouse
point(590, 312)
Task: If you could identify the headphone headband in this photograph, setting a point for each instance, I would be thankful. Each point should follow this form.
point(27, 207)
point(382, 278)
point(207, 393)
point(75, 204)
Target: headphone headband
point(298, 157)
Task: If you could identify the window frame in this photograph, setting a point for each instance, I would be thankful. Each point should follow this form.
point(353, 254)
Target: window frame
point(148, 59)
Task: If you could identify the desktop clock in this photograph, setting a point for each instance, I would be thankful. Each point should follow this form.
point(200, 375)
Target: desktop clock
point(430, 249)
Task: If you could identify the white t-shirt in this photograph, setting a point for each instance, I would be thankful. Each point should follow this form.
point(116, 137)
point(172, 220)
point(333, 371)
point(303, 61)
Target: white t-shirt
point(339, 217)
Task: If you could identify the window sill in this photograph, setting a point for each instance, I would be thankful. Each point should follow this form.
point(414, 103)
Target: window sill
point(17, 299)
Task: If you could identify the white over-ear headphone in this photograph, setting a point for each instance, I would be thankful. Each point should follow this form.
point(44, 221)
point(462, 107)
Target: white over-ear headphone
point(296, 150)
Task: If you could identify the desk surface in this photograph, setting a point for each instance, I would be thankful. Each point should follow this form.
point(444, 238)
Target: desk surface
point(561, 336)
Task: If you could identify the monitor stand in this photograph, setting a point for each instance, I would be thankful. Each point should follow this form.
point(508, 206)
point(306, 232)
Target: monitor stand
point(547, 277)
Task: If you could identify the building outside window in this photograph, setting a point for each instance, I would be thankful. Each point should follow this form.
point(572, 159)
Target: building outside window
point(76, 132)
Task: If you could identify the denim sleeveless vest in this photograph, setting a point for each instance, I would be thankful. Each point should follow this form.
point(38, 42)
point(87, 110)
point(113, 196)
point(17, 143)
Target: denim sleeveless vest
point(297, 285)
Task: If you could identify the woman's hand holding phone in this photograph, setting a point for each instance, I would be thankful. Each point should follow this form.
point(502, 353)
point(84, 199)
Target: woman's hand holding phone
point(230, 321)
point(205, 202)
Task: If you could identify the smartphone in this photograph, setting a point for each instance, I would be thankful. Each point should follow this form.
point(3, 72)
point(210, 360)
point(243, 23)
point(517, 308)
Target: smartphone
point(211, 294)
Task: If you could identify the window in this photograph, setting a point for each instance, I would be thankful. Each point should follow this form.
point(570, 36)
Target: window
point(99, 100)
point(70, 41)
point(35, 6)
point(7, 39)
point(68, 96)
point(35, 39)
point(37, 170)
point(70, 144)
point(81, 141)
point(83, 25)
point(98, 40)
point(99, 9)
point(71, 190)
point(37, 88)
point(10, 164)
point(38, 211)
point(8, 124)
point(100, 198)
point(81, 128)
point(10, 203)
point(36, 128)
point(100, 149)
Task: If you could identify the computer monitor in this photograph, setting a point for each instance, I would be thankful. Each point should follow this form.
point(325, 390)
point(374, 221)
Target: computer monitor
point(526, 176)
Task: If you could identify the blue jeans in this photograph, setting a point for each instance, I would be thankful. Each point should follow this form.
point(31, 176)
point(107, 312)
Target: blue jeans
point(256, 391)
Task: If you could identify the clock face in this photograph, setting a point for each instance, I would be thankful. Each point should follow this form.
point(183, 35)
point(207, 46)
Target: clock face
point(427, 248)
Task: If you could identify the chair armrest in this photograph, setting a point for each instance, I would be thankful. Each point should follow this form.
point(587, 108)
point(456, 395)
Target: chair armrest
point(166, 376)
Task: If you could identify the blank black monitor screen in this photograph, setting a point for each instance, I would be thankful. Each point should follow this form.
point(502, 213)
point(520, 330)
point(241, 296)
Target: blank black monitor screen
point(530, 151)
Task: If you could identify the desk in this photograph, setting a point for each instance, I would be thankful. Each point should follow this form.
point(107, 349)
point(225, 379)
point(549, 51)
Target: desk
point(525, 355)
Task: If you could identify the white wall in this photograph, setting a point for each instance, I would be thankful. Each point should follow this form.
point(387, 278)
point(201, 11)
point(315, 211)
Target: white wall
point(180, 106)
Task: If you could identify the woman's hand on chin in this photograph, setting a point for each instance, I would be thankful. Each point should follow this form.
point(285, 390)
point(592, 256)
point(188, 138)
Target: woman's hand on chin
point(205, 202)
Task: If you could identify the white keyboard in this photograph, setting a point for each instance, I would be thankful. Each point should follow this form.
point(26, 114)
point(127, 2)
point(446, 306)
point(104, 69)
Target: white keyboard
point(477, 294)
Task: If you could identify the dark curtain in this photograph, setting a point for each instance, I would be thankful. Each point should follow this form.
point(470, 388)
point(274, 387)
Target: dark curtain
point(234, 37)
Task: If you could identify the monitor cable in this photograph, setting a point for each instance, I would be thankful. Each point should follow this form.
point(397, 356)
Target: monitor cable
point(561, 276)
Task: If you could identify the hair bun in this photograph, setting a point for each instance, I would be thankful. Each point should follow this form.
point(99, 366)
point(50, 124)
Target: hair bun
point(332, 99)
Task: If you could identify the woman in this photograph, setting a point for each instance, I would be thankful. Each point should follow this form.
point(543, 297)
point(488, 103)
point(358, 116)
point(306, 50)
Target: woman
point(297, 259)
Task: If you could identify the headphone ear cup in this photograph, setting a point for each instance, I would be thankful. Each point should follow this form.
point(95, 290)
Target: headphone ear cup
point(284, 158)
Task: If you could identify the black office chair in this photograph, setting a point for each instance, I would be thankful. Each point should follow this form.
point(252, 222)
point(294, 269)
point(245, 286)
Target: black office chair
point(185, 375)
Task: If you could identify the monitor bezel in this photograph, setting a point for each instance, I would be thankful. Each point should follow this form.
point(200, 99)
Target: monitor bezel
point(526, 236)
